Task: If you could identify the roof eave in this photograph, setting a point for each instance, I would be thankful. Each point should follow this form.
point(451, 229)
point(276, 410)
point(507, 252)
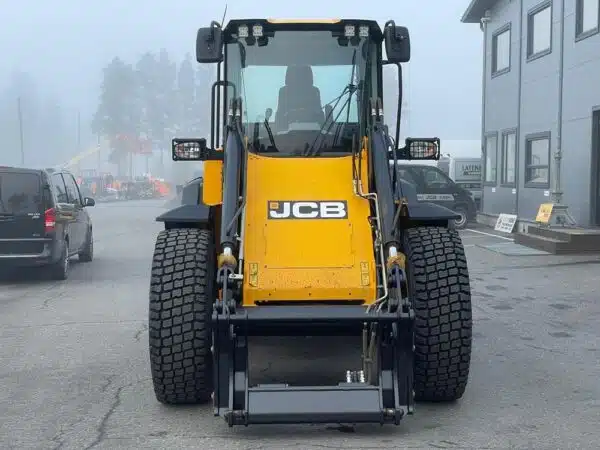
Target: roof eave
point(476, 10)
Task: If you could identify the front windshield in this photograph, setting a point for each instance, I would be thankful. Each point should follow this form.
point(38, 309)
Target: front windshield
point(259, 93)
point(300, 92)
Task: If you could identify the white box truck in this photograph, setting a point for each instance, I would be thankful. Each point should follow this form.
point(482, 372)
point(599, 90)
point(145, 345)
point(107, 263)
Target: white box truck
point(466, 172)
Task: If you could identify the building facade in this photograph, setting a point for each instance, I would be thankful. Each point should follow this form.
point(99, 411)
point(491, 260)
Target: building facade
point(541, 106)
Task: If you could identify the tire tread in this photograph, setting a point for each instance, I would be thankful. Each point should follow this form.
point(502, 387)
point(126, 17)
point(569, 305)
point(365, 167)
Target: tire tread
point(179, 316)
point(443, 321)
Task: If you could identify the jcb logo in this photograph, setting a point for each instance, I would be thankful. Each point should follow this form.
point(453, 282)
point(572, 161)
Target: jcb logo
point(308, 210)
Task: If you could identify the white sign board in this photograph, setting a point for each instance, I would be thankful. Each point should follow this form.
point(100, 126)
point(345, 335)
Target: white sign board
point(505, 223)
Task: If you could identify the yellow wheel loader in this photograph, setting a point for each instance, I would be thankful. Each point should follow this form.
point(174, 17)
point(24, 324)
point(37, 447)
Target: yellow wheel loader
point(300, 228)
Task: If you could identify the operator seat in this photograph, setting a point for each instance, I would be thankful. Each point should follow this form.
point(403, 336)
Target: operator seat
point(299, 100)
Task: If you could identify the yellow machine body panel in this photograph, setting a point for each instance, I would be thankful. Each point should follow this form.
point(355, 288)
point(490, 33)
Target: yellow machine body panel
point(307, 236)
point(212, 183)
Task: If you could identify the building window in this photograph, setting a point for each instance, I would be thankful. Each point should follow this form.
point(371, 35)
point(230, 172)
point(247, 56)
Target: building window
point(491, 159)
point(501, 51)
point(509, 158)
point(537, 160)
point(539, 30)
point(587, 18)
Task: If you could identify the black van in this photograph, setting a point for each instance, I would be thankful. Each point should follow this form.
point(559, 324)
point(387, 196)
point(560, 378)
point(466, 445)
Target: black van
point(43, 220)
point(433, 185)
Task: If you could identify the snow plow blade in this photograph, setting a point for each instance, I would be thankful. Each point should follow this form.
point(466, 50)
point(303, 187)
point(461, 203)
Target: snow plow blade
point(356, 400)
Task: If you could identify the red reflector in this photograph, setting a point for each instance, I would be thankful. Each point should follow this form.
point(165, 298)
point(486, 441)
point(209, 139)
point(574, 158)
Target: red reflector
point(49, 220)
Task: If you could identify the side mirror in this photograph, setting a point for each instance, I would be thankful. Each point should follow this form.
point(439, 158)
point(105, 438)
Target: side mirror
point(179, 189)
point(88, 201)
point(209, 44)
point(184, 149)
point(397, 43)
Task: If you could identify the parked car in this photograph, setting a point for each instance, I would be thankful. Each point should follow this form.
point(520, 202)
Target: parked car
point(466, 172)
point(43, 220)
point(433, 185)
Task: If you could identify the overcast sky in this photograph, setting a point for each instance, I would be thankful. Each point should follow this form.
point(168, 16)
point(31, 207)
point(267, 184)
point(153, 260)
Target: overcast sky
point(65, 44)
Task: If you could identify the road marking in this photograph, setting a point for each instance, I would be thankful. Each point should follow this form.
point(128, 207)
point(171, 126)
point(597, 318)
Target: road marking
point(488, 234)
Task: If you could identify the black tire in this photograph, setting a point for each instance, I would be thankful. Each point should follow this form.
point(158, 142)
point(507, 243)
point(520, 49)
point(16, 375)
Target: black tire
point(439, 286)
point(60, 269)
point(181, 298)
point(87, 254)
point(462, 223)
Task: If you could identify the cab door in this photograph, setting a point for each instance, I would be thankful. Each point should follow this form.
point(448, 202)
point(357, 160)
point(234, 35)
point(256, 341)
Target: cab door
point(66, 216)
point(79, 224)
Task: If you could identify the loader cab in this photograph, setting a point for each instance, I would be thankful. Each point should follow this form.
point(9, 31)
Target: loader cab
point(305, 87)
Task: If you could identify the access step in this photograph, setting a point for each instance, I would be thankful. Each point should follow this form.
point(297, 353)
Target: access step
point(561, 241)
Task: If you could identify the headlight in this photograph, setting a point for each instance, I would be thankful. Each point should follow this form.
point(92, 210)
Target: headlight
point(257, 31)
point(243, 31)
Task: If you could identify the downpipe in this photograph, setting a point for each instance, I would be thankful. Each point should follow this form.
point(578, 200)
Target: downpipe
point(519, 99)
point(557, 191)
point(484, 28)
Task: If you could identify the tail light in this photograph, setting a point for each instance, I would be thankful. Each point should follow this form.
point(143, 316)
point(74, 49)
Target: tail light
point(49, 220)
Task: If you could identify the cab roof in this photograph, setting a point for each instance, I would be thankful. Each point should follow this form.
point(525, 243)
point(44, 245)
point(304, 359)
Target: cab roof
point(305, 24)
point(275, 20)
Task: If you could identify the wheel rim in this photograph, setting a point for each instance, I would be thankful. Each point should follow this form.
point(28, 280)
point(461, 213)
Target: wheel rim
point(463, 218)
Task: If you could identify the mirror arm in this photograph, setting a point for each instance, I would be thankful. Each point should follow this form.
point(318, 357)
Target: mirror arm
point(390, 23)
point(214, 25)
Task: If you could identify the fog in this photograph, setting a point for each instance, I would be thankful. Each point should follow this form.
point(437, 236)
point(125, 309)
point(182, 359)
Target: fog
point(53, 56)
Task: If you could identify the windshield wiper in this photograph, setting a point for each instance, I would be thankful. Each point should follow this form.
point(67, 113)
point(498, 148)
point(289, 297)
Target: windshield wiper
point(255, 134)
point(313, 150)
point(350, 89)
point(268, 114)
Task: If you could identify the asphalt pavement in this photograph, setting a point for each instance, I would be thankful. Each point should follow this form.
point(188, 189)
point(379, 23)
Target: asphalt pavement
point(74, 371)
